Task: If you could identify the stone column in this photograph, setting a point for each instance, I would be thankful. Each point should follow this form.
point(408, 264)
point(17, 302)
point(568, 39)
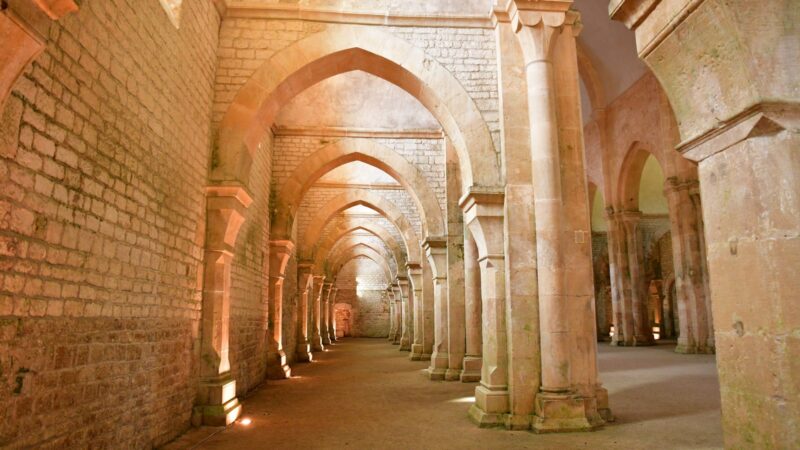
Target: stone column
point(316, 314)
point(483, 214)
point(577, 243)
point(398, 314)
point(620, 280)
point(559, 407)
point(456, 314)
point(642, 329)
point(407, 332)
point(436, 252)
point(305, 281)
point(736, 103)
point(521, 284)
point(416, 312)
point(473, 358)
point(332, 314)
point(280, 252)
point(392, 324)
point(693, 317)
point(225, 214)
point(694, 194)
point(324, 318)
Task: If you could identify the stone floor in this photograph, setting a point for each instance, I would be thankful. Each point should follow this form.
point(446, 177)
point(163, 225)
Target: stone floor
point(364, 394)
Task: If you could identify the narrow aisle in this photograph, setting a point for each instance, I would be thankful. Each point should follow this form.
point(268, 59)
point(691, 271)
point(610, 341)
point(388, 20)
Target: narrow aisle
point(364, 394)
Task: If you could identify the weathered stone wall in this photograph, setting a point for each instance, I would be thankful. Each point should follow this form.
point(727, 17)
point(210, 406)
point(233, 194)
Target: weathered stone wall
point(104, 149)
point(249, 282)
point(367, 295)
point(427, 155)
point(469, 54)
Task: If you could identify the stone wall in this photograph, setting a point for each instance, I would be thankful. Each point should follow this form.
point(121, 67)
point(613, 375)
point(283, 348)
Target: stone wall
point(104, 148)
point(362, 285)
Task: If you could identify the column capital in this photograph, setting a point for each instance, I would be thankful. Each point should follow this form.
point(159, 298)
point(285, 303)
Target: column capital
point(673, 185)
point(484, 214)
point(225, 207)
point(436, 252)
point(538, 23)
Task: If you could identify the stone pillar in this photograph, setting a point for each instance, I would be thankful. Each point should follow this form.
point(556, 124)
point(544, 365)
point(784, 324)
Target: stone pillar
point(577, 243)
point(642, 328)
point(521, 284)
point(559, 405)
point(690, 283)
point(483, 214)
point(279, 254)
point(620, 280)
point(473, 358)
point(305, 281)
point(736, 103)
point(407, 329)
point(456, 314)
point(332, 313)
point(225, 214)
point(436, 252)
point(324, 318)
point(415, 310)
point(398, 314)
point(392, 324)
point(316, 314)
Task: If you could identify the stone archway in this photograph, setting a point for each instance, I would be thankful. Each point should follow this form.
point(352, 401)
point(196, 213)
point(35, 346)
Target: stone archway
point(348, 150)
point(376, 202)
point(338, 260)
point(344, 49)
point(322, 248)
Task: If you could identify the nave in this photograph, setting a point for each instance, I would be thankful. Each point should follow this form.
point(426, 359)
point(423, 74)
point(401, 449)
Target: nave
point(362, 393)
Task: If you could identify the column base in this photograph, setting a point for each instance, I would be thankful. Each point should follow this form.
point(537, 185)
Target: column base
point(439, 362)
point(277, 369)
point(563, 413)
point(304, 353)
point(316, 344)
point(688, 349)
point(326, 340)
point(219, 405)
point(643, 341)
point(396, 341)
point(471, 372)
point(405, 345)
point(518, 422)
point(490, 407)
point(333, 338)
point(603, 407)
point(452, 375)
point(416, 352)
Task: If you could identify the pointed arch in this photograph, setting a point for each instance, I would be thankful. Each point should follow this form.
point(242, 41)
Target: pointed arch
point(339, 260)
point(369, 152)
point(344, 49)
point(374, 201)
point(327, 244)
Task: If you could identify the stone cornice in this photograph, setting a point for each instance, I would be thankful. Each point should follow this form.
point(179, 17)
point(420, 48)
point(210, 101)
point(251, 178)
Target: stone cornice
point(251, 10)
point(758, 120)
point(358, 132)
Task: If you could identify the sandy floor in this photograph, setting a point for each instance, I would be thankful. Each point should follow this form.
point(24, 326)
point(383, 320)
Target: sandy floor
point(365, 394)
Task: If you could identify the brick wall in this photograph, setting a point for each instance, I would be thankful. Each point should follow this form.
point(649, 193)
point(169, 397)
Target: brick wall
point(104, 146)
point(469, 54)
point(362, 285)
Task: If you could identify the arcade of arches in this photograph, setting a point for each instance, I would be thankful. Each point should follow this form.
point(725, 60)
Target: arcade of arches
point(199, 199)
